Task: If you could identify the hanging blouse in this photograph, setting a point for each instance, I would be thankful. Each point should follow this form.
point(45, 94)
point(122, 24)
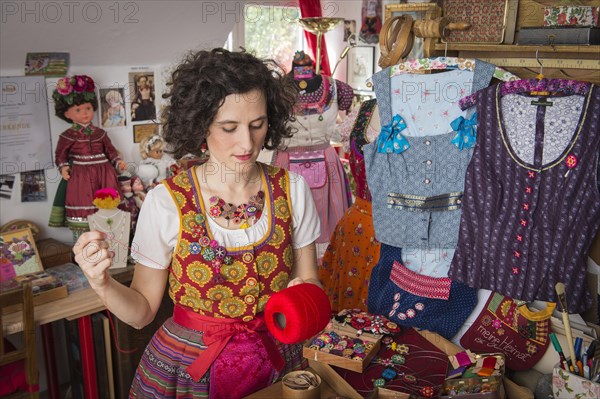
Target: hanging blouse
point(531, 204)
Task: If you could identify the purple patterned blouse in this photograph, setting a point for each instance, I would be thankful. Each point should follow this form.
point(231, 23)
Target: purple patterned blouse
point(531, 203)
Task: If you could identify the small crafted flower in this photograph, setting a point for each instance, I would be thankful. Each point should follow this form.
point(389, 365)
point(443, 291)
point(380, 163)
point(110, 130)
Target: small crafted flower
point(571, 161)
point(427, 392)
point(515, 270)
point(200, 218)
point(523, 222)
point(354, 271)
point(528, 190)
point(531, 348)
point(402, 349)
point(195, 248)
point(526, 207)
point(402, 316)
point(359, 229)
point(531, 174)
point(497, 323)
point(228, 260)
point(204, 241)
point(215, 211)
point(500, 331)
point(216, 263)
point(220, 252)
point(90, 86)
point(396, 297)
point(198, 231)
point(392, 312)
point(419, 306)
point(349, 293)
point(411, 313)
point(64, 86)
point(214, 243)
point(398, 359)
point(356, 250)
point(80, 84)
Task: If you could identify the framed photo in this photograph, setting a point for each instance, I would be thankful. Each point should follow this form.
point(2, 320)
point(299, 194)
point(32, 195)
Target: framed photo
point(18, 254)
point(47, 64)
point(112, 107)
point(142, 96)
point(144, 130)
point(421, 47)
point(361, 66)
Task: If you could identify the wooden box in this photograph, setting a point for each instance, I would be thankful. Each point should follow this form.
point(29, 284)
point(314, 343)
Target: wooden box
point(476, 387)
point(383, 393)
point(53, 252)
point(340, 361)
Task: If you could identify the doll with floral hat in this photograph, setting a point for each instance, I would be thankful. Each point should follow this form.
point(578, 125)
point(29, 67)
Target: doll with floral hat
point(85, 155)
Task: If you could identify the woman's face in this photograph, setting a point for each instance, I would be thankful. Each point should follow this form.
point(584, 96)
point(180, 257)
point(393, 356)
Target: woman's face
point(238, 131)
point(82, 114)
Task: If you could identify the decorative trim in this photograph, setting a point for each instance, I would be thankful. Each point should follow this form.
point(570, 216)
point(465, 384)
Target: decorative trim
point(417, 203)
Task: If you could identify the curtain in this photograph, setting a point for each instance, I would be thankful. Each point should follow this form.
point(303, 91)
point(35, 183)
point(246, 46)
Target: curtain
point(312, 8)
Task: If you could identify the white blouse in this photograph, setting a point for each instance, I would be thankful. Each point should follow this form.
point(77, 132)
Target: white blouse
point(158, 225)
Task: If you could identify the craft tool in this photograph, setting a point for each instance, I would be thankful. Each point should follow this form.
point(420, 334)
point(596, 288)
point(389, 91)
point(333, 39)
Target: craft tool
point(560, 291)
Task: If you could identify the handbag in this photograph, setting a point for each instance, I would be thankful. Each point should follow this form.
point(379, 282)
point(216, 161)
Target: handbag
point(311, 165)
point(414, 300)
point(508, 326)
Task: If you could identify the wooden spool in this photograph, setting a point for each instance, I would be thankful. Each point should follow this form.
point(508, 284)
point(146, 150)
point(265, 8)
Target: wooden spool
point(435, 28)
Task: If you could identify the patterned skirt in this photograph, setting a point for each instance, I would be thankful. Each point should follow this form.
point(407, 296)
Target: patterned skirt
point(350, 256)
point(162, 369)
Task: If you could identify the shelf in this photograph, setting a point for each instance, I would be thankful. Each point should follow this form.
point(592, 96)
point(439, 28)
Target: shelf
point(515, 48)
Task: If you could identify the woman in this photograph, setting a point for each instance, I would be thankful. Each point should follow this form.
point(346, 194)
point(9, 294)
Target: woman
point(246, 230)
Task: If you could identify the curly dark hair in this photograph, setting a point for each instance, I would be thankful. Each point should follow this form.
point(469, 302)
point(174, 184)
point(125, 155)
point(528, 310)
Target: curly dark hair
point(198, 89)
point(61, 106)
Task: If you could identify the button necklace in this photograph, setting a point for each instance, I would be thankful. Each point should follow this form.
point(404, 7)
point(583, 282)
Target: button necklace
point(245, 214)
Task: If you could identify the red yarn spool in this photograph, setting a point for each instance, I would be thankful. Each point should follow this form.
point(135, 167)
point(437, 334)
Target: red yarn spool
point(305, 308)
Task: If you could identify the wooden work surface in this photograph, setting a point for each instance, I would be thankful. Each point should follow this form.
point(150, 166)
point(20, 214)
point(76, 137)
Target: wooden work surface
point(78, 304)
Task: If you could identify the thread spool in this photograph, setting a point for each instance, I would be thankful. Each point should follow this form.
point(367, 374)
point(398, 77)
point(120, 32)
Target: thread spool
point(297, 313)
point(426, 28)
point(311, 392)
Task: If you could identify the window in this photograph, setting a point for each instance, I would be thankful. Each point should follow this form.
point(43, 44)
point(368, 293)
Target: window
point(269, 31)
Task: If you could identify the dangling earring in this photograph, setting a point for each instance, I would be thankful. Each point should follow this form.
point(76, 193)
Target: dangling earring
point(203, 148)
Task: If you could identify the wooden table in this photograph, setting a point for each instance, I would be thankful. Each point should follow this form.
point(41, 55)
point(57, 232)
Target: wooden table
point(78, 305)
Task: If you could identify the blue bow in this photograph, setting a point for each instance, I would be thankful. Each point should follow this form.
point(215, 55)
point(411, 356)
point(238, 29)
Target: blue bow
point(390, 139)
point(465, 132)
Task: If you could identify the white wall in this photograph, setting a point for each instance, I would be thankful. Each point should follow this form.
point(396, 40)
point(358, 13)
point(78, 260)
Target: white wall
point(106, 40)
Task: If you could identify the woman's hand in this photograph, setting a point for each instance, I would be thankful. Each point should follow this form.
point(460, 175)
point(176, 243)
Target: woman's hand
point(93, 256)
point(65, 172)
point(296, 281)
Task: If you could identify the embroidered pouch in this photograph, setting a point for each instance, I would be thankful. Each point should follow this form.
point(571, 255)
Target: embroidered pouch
point(506, 326)
point(414, 300)
point(311, 165)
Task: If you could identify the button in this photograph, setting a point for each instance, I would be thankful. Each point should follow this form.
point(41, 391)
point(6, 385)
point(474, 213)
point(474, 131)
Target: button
point(429, 162)
point(427, 142)
point(426, 181)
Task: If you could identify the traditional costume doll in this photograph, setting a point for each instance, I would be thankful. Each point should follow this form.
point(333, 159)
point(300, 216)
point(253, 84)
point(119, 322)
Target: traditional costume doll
point(84, 154)
point(155, 165)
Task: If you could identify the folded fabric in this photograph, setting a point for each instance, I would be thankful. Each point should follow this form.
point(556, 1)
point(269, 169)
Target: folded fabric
point(414, 300)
